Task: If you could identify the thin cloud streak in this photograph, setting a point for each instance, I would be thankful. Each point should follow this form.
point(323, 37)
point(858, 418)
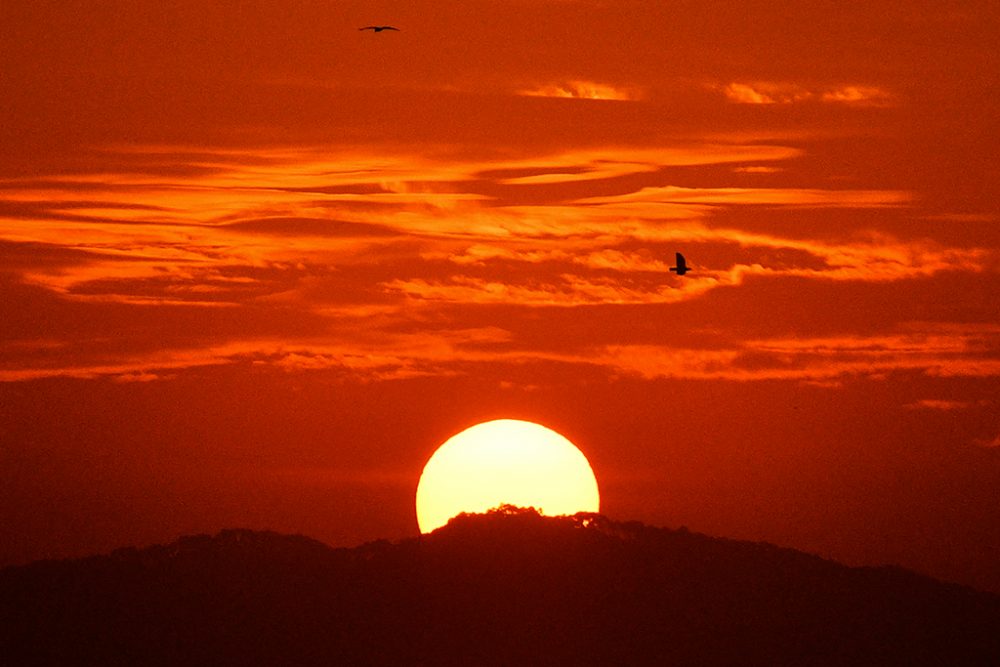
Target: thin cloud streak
point(584, 90)
point(938, 404)
point(759, 196)
point(813, 359)
point(399, 356)
point(771, 92)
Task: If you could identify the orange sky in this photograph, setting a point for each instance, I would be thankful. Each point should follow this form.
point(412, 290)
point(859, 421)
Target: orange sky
point(255, 265)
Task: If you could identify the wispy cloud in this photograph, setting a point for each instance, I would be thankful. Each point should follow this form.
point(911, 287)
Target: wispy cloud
point(771, 92)
point(746, 94)
point(942, 405)
point(871, 95)
point(583, 90)
point(768, 196)
point(818, 359)
point(757, 169)
point(989, 444)
point(564, 291)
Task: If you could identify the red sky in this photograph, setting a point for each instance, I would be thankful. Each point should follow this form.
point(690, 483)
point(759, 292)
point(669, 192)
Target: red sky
point(255, 265)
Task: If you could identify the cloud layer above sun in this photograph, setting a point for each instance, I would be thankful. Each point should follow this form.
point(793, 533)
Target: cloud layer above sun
point(388, 263)
point(385, 206)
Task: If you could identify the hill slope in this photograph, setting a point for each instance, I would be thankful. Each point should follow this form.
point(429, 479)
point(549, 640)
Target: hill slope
point(507, 588)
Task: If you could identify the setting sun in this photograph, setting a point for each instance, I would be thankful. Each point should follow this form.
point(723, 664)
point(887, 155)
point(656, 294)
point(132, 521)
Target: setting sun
point(505, 462)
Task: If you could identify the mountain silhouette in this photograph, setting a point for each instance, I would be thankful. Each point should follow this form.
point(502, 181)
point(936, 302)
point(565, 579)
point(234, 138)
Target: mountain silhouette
point(506, 588)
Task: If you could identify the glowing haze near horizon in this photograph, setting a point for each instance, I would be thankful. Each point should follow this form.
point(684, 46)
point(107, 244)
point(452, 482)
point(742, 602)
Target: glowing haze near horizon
point(255, 265)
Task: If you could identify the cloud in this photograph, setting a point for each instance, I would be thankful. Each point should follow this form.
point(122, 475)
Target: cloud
point(759, 196)
point(771, 92)
point(333, 252)
point(584, 90)
point(757, 169)
point(938, 404)
point(869, 95)
point(299, 226)
point(604, 163)
point(746, 94)
point(564, 291)
point(813, 359)
point(284, 205)
point(988, 444)
point(384, 353)
point(139, 376)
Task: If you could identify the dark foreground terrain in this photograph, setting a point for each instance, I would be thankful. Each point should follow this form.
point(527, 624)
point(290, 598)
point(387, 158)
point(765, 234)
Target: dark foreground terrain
point(507, 588)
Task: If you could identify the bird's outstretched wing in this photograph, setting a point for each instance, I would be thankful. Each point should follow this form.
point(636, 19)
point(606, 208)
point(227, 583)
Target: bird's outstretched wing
point(389, 27)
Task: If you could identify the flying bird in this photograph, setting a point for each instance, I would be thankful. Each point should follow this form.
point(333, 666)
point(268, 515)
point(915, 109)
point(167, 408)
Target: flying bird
point(681, 267)
point(379, 28)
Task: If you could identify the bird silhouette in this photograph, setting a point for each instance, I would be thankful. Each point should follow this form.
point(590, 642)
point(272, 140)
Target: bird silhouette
point(681, 267)
point(379, 28)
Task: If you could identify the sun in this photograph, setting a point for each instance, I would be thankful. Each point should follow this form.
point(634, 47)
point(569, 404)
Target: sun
point(506, 461)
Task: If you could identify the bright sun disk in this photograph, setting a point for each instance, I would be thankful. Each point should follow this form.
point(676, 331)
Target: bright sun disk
point(501, 462)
